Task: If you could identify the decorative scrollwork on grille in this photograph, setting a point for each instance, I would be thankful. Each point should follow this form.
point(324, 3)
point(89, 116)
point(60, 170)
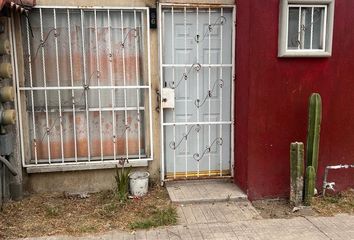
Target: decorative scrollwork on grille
point(199, 103)
point(173, 144)
point(185, 75)
point(126, 129)
point(198, 156)
point(122, 44)
point(219, 21)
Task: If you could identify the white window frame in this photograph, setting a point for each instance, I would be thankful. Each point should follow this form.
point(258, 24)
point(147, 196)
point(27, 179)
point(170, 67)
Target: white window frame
point(283, 50)
point(32, 165)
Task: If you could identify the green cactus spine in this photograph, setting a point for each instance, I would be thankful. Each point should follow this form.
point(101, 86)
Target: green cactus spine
point(296, 172)
point(313, 132)
point(309, 184)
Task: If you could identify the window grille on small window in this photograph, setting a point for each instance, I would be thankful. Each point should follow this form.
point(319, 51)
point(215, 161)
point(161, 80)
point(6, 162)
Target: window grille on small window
point(306, 29)
point(87, 86)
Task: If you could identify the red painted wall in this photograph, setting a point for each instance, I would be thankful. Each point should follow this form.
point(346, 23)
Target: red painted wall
point(272, 100)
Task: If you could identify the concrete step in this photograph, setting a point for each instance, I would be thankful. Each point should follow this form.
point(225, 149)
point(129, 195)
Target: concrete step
point(204, 191)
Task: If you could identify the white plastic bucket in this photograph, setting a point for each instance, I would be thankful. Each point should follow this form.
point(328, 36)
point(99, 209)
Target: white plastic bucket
point(139, 182)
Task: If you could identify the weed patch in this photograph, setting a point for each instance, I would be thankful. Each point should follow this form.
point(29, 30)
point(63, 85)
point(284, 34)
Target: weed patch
point(160, 217)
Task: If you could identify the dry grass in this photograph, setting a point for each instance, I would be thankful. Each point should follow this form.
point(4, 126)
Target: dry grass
point(279, 208)
point(328, 206)
point(52, 214)
point(331, 205)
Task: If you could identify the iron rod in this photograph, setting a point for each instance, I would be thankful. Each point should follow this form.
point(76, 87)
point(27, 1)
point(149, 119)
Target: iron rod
point(149, 81)
point(221, 91)
point(195, 123)
point(32, 97)
point(233, 84)
point(161, 23)
point(209, 100)
point(202, 65)
point(98, 72)
point(198, 136)
point(185, 88)
point(45, 85)
point(72, 84)
point(85, 84)
point(311, 37)
point(324, 28)
point(114, 138)
point(137, 82)
point(58, 79)
point(82, 87)
point(173, 79)
point(124, 90)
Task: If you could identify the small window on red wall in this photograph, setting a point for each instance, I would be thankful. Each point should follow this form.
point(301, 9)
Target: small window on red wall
point(305, 28)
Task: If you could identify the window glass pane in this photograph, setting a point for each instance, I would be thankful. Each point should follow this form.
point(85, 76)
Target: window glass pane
point(306, 15)
point(293, 28)
point(318, 22)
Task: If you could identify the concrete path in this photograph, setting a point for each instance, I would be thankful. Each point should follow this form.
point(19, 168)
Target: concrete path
point(204, 191)
point(340, 227)
point(219, 212)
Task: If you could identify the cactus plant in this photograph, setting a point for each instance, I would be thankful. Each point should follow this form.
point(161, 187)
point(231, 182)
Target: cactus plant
point(309, 184)
point(313, 132)
point(312, 146)
point(296, 172)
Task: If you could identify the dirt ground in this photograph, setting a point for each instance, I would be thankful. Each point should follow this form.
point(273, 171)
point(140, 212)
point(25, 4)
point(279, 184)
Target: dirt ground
point(321, 206)
point(52, 214)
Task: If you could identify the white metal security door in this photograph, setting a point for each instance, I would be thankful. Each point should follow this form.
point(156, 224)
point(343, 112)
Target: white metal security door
point(197, 75)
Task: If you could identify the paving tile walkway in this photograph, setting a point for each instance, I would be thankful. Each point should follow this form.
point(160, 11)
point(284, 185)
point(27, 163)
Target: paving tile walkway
point(219, 212)
point(340, 227)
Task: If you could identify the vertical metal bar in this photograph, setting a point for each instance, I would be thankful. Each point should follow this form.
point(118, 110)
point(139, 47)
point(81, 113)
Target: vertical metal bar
point(220, 89)
point(32, 97)
point(86, 85)
point(197, 21)
point(173, 79)
point(303, 28)
point(311, 38)
point(233, 80)
point(124, 90)
point(98, 72)
point(58, 79)
point(162, 143)
point(45, 85)
point(112, 84)
point(299, 30)
point(16, 85)
point(209, 100)
point(185, 87)
point(137, 83)
point(149, 81)
point(324, 27)
point(72, 83)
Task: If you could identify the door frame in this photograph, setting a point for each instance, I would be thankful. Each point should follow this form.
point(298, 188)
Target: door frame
point(233, 79)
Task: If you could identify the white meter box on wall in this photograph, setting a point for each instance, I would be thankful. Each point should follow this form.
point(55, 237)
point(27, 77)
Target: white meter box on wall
point(168, 98)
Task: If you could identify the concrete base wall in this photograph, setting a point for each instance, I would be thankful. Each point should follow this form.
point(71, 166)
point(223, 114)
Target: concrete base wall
point(77, 181)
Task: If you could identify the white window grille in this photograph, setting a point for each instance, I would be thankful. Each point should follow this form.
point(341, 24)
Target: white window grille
point(87, 86)
point(306, 28)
